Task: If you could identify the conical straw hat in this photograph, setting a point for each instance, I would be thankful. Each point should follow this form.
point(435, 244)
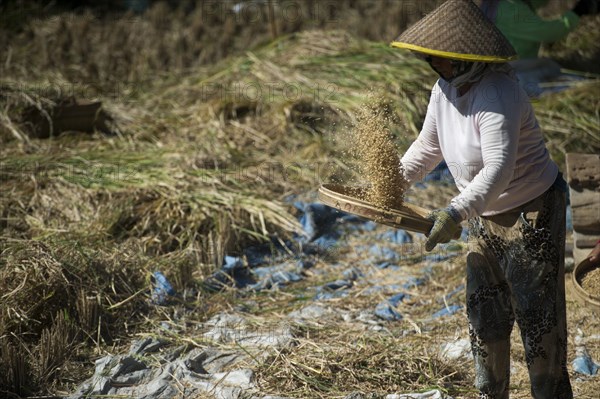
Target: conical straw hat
point(457, 29)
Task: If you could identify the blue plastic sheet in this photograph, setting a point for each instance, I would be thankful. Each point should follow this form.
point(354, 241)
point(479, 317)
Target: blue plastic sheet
point(271, 264)
point(441, 173)
point(396, 299)
point(337, 285)
point(455, 291)
point(162, 289)
point(388, 288)
point(396, 236)
point(275, 251)
point(325, 242)
point(317, 219)
point(279, 275)
point(352, 274)
point(321, 233)
point(233, 273)
point(386, 311)
point(232, 263)
point(446, 311)
point(387, 265)
point(464, 235)
point(368, 226)
point(383, 253)
point(583, 364)
point(305, 264)
point(440, 257)
point(325, 295)
point(414, 282)
point(268, 271)
point(259, 255)
point(276, 279)
point(334, 289)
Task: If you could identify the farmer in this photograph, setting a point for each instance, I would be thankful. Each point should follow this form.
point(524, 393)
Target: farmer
point(481, 123)
point(526, 31)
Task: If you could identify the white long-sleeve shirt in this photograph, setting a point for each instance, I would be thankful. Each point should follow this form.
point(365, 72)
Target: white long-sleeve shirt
point(491, 142)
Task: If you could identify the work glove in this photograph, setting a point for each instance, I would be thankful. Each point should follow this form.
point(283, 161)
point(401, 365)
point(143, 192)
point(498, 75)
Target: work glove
point(586, 7)
point(446, 226)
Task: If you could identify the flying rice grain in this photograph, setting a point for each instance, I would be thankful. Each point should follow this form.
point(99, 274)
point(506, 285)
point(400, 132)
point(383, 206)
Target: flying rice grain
point(377, 157)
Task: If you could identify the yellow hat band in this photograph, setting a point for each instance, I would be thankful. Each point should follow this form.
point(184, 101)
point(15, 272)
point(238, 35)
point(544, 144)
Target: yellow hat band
point(455, 56)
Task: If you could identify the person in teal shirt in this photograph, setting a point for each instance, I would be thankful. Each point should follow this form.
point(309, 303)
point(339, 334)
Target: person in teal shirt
point(526, 31)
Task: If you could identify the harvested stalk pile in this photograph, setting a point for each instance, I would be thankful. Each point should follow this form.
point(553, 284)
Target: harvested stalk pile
point(377, 155)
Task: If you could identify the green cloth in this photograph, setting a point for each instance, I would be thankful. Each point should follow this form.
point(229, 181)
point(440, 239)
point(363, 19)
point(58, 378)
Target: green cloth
point(526, 31)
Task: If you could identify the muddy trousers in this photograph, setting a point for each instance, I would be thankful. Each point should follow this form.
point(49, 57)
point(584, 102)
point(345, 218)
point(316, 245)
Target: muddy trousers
point(515, 271)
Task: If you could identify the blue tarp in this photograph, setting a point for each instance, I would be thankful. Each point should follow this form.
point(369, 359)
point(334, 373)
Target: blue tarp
point(334, 289)
point(455, 291)
point(414, 282)
point(441, 173)
point(387, 309)
point(396, 299)
point(337, 285)
point(446, 311)
point(162, 289)
point(387, 265)
point(317, 220)
point(353, 274)
point(279, 275)
point(396, 236)
point(387, 288)
point(383, 253)
point(322, 228)
point(275, 264)
point(583, 364)
point(439, 257)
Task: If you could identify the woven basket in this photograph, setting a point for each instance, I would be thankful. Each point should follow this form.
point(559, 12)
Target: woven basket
point(457, 29)
point(591, 299)
point(409, 217)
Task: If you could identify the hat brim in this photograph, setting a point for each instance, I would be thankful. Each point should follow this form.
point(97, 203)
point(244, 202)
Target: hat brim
point(454, 56)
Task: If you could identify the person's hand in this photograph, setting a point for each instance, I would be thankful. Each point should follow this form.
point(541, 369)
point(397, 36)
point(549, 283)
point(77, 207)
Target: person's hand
point(446, 226)
point(586, 7)
point(594, 256)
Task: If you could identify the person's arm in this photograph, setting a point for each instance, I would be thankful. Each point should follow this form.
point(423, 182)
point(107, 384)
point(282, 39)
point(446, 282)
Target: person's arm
point(594, 256)
point(499, 124)
point(424, 154)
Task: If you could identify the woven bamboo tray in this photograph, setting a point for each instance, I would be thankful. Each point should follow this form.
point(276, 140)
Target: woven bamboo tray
point(589, 298)
point(408, 217)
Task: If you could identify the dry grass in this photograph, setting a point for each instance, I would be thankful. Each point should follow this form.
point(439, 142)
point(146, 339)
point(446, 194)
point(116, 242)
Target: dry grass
point(202, 168)
point(329, 362)
point(41, 319)
point(54, 348)
point(570, 121)
point(580, 50)
point(108, 49)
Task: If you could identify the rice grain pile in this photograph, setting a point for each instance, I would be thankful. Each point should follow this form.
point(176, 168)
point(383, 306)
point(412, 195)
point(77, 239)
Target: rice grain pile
point(591, 282)
point(377, 156)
